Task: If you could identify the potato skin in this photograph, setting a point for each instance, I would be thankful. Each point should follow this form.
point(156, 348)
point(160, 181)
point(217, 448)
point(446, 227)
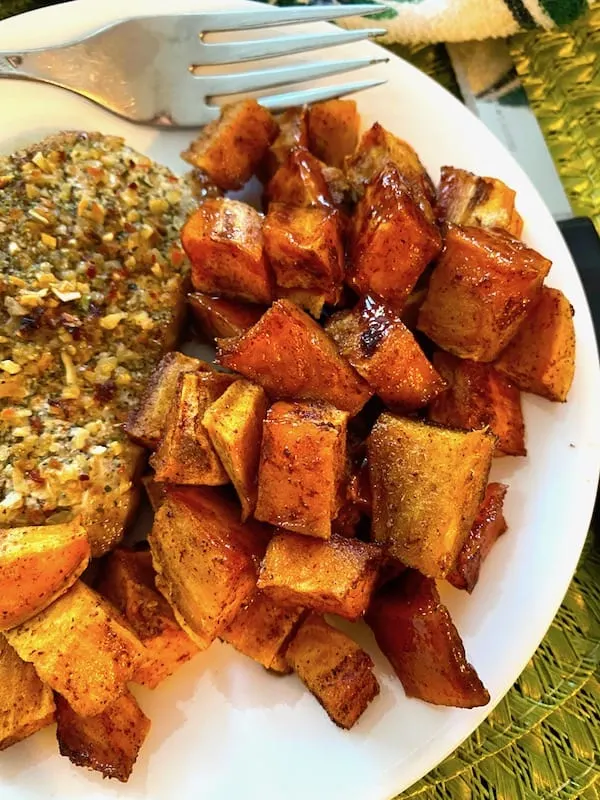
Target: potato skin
point(333, 130)
point(299, 181)
point(293, 132)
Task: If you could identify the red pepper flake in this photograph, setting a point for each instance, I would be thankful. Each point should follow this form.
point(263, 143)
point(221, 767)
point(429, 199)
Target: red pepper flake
point(84, 477)
point(34, 475)
point(91, 271)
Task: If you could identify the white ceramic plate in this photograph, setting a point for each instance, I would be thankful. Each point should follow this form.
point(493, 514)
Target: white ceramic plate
point(224, 728)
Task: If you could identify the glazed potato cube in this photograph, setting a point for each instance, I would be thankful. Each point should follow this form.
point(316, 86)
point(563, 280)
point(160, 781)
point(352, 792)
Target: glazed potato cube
point(299, 181)
point(235, 423)
point(206, 560)
point(230, 149)
point(293, 132)
point(488, 526)
point(480, 291)
point(310, 300)
point(305, 250)
point(391, 240)
point(333, 130)
point(416, 634)
point(262, 629)
point(26, 704)
point(37, 565)
point(467, 199)
point(338, 185)
point(378, 149)
point(128, 581)
point(385, 353)
point(108, 742)
point(186, 454)
point(427, 484)
point(224, 242)
point(332, 577)
point(146, 423)
point(156, 491)
point(411, 308)
point(302, 467)
point(201, 185)
point(478, 397)
point(219, 318)
point(290, 356)
point(81, 649)
point(541, 356)
point(334, 669)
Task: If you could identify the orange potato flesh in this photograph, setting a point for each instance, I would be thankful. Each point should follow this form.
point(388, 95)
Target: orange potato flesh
point(477, 397)
point(480, 291)
point(488, 526)
point(299, 182)
point(293, 132)
point(333, 130)
point(541, 356)
point(385, 353)
point(391, 240)
point(415, 632)
point(219, 318)
point(290, 356)
point(156, 492)
point(224, 242)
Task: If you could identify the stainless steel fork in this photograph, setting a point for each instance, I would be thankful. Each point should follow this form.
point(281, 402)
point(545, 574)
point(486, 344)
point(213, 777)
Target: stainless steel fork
point(148, 69)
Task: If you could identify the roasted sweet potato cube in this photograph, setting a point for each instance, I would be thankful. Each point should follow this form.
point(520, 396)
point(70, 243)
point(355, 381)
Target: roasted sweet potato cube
point(146, 423)
point(37, 565)
point(235, 423)
point(302, 467)
point(219, 318)
point(427, 484)
point(541, 356)
point(488, 526)
point(155, 491)
point(80, 647)
point(379, 148)
point(230, 149)
point(186, 454)
point(411, 308)
point(293, 132)
point(26, 704)
point(391, 240)
point(468, 199)
point(290, 356)
point(339, 187)
point(305, 250)
point(206, 560)
point(333, 577)
point(480, 291)
point(299, 181)
point(334, 669)
point(479, 397)
point(333, 130)
point(416, 634)
point(385, 353)
point(128, 581)
point(262, 630)
point(108, 742)
point(224, 242)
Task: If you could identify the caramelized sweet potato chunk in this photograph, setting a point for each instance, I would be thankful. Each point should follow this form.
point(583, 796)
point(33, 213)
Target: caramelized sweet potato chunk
point(262, 629)
point(304, 248)
point(290, 356)
point(299, 182)
point(206, 560)
point(26, 704)
point(384, 352)
point(230, 149)
point(37, 565)
point(333, 577)
point(146, 423)
point(488, 526)
point(81, 649)
point(224, 241)
point(541, 356)
point(416, 634)
point(128, 581)
point(468, 199)
point(333, 130)
point(334, 669)
point(155, 491)
point(293, 132)
point(186, 454)
point(108, 742)
point(235, 424)
point(427, 484)
point(480, 291)
point(478, 397)
point(391, 240)
point(302, 466)
point(219, 318)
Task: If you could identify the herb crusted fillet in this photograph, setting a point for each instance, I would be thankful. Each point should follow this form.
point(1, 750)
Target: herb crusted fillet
point(91, 289)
